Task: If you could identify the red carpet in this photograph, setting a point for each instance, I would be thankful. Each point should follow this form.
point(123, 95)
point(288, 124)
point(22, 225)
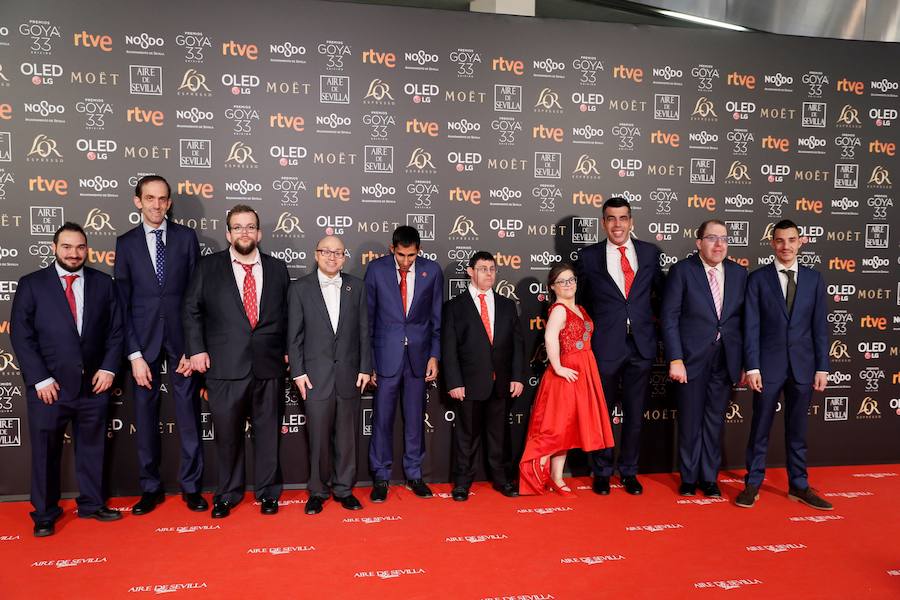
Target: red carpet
point(655, 546)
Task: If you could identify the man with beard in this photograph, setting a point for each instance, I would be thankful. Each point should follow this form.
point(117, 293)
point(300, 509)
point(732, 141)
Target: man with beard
point(235, 326)
point(66, 331)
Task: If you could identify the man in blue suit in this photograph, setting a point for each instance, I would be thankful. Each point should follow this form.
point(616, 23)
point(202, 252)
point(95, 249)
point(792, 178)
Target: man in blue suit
point(621, 281)
point(702, 317)
point(785, 349)
point(154, 262)
point(66, 330)
point(405, 294)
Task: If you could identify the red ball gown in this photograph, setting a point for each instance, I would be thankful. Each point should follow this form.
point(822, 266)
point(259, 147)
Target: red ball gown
point(566, 414)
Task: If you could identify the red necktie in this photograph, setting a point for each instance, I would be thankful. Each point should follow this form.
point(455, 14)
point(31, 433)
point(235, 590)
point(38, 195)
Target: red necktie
point(626, 270)
point(485, 318)
point(250, 295)
point(403, 273)
point(70, 296)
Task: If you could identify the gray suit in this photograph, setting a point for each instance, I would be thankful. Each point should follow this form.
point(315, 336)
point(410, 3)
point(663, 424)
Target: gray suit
point(332, 360)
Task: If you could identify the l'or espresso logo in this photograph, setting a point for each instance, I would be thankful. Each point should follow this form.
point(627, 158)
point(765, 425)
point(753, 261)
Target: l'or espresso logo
point(420, 162)
point(463, 228)
point(704, 110)
point(194, 44)
point(379, 92)
point(42, 35)
point(334, 89)
point(848, 118)
point(738, 173)
point(815, 82)
point(95, 111)
point(586, 168)
point(4, 80)
point(880, 178)
point(334, 53)
point(97, 222)
point(548, 102)
point(288, 226)
point(40, 73)
point(465, 60)
point(137, 114)
point(839, 352)
point(44, 149)
point(868, 409)
point(193, 83)
point(380, 124)
point(705, 76)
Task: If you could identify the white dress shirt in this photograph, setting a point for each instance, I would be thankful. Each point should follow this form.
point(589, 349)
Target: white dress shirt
point(489, 299)
point(614, 262)
point(151, 240)
point(331, 293)
point(410, 283)
point(239, 274)
point(782, 278)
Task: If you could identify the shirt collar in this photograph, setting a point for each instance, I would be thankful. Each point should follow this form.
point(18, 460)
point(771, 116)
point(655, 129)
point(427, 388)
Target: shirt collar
point(148, 230)
point(474, 291)
point(412, 267)
point(628, 245)
point(706, 266)
point(779, 267)
point(323, 278)
point(234, 257)
point(62, 272)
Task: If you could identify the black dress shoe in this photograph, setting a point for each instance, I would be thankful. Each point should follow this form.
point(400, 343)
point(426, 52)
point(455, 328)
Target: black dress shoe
point(350, 502)
point(601, 485)
point(314, 505)
point(748, 497)
point(419, 488)
point(710, 489)
point(632, 485)
point(810, 498)
point(44, 528)
point(221, 509)
point(379, 491)
point(687, 489)
point(195, 501)
point(104, 513)
point(148, 501)
point(508, 489)
point(268, 506)
point(459, 493)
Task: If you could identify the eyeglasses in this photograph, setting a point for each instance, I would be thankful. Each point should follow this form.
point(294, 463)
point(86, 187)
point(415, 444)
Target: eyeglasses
point(486, 269)
point(332, 253)
point(242, 228)
point(712, 239)
point(567, 282)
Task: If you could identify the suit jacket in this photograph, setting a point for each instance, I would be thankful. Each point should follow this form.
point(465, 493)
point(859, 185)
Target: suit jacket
point(776, 342)
point(153, 311)
point(388, 326)
point(469, 358)
point(215, 321)
point(331, 359)
point(610, 310)
point(45, 338)
point(689, 321)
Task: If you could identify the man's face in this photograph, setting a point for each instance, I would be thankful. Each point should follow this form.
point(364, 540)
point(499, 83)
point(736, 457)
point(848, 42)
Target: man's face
point(483, 274)
point(243, 233)
point(786, 243)
point(71, 250)
point(330, 256)
point(617, 224)
point(713, 246)
point(153, 203)
point(405, 255)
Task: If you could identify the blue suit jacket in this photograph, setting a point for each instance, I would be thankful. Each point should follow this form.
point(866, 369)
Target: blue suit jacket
point(388, 326)
point(153, 312)
point(689, 321)
point(46, 341)
point(775, 342)
point(610, 310)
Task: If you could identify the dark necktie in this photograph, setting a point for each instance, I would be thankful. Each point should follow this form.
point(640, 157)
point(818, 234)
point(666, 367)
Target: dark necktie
point(160, 256)
point(791, 289)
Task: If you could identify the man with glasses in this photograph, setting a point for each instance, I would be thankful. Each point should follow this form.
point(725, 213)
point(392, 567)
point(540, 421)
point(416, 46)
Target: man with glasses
point(235, 326)
point(702, 319)
point(483, 358)
point(620, 282)
point(330, 356)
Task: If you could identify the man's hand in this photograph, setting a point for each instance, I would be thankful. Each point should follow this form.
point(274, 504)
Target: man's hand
point(184, 367)
point(743, 380)
point(362, 380)
point(101, 381)
point(373, 381)
point(754, 381)
point(141, 372)
point(49, 393)
point(677, 372)
point(458, 393)
point(200, 362)
point(515, 389)
point(820, 381)
point(303, 384)
point(431, 371)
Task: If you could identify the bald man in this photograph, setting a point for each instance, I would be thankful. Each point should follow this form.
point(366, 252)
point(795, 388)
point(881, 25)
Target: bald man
point(328, 346)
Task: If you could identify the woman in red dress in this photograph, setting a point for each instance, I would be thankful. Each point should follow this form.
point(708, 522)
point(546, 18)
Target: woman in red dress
point(569, 409)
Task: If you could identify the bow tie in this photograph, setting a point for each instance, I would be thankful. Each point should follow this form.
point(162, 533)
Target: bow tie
point(331, 282)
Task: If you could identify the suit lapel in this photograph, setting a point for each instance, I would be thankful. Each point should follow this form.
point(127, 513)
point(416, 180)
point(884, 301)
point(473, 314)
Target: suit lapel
point(346, 292)
point(90, 302)
point(314, 289)
point(144, 259)
point(474, 313)
point(422, 277)
point(775, 283)
point(171, 240)
point(603, 267)
point(699, 271)
point(226, 273)
point(730, 290)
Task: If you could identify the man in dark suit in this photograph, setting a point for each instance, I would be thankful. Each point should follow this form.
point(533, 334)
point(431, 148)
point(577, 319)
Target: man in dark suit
point(331, 364)
point(702, 318)
point(235, 325)
point(621, 282)
point(404, 292)
point(154, 262)
point(66, 331)
point(483, 361)
point(785, 350)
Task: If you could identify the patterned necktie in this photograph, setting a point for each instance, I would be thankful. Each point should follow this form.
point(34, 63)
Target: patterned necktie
point(791, 289)
point(70, 296)
point(403, 273)
point(160, 256)
point(626, 270)
point(486, 318)
point(716, 292)
point(250, 295)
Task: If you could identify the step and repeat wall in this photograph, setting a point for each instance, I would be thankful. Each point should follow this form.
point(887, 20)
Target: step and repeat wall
point(484, 132)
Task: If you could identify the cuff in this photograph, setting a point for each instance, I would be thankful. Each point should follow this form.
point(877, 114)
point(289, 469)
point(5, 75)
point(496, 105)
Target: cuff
point(42, 384)
point(135, 355)
point(753, 372)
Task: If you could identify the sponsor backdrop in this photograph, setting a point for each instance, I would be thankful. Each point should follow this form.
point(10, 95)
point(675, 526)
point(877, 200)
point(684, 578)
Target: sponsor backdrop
point(351, 119)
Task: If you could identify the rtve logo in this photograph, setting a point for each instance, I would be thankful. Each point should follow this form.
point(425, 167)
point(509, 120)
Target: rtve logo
point(635, 74)
point(807, 205)
point(581, 198)
point(852, 87)
point(542, 132)
point(89, 40)
point(60, 187)
point(139, 115)
point(232, 48)
point(514, 66)
point(280, 121)
point(739, 80)
point(879, 147)
point(459, 194)
point(333, 192)
point(704, 202)
point(374, 57)
point(772, 143)
point(666, 139)
point(429, 128)
point(6, 111)
point(870, 322)
point(191, 188)
point(842, 264)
